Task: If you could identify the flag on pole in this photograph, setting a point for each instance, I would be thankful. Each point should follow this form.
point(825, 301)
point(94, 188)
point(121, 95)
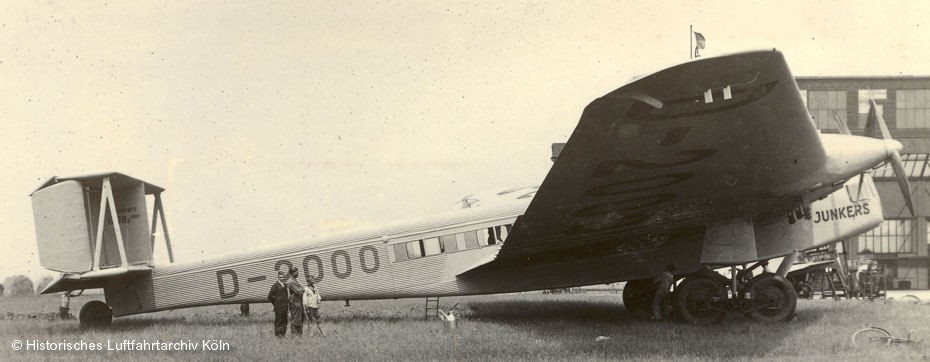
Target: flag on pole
point(699, 39)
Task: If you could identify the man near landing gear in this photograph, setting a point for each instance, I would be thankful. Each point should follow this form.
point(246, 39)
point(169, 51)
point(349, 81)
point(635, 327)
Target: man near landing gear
point(661, 303)
point(64, 309)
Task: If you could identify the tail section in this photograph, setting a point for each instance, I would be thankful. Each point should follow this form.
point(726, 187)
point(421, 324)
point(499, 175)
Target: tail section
point(94, 229)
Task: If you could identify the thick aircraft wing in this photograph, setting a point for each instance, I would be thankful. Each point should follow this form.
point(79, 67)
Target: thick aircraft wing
point(665, 155)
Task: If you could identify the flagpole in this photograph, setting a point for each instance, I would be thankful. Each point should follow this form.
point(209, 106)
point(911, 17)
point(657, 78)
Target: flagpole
point(690, 41)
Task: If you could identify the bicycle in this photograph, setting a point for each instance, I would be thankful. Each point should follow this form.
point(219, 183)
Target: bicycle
point(875, 336)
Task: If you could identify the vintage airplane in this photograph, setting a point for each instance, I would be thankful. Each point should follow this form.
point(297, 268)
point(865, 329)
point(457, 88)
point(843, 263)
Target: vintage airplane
point(711, 163)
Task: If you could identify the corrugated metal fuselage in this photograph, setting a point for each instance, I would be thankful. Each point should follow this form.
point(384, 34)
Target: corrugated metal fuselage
point(379, 263)
point(360, 265)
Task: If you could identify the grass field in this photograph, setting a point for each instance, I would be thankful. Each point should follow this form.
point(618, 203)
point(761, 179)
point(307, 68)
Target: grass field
point(530, 326)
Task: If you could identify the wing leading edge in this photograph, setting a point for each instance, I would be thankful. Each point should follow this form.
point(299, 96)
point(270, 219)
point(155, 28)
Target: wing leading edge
point(668, 154)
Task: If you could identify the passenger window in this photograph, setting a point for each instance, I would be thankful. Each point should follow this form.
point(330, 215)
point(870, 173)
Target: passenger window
point(471, 239)
point(505, 230)
point(460, 241)
point(431, 246)
point(500, 233)
point(413, 249)
point(400, 252)
point(448, 243)
point(493, 235)
point(484, 235)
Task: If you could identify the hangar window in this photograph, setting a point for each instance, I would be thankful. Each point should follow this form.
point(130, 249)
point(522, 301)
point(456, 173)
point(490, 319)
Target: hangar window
point(913, 108)
point(891, 237)
point(879, 95)
point(822, 106)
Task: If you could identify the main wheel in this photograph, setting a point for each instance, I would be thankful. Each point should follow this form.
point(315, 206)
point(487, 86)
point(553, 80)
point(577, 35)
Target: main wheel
point(773, 298)
point(96, 314)
point(698, 300)
point(637, 295)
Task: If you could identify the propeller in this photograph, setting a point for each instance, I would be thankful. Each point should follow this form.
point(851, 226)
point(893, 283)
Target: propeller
point(841, 125)
point(895, 159)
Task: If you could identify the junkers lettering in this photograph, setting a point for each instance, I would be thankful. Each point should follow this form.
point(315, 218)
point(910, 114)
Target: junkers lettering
point(340, 263)
point(839, 213)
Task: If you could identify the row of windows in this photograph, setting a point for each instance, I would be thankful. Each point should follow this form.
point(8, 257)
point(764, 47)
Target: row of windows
point(416, 249)
point(912, 106)
point(892, 236)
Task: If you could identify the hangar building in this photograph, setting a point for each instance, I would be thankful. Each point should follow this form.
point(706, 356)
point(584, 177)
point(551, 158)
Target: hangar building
point(901, 245)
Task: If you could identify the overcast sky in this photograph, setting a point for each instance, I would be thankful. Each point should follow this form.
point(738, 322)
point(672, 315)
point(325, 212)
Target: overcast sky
point(269, 121)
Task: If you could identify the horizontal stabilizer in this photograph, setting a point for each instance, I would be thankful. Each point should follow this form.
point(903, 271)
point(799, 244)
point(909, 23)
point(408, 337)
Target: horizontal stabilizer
point(92, 280)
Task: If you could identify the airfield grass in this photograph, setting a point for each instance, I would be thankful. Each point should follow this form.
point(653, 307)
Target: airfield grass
point(527, 326)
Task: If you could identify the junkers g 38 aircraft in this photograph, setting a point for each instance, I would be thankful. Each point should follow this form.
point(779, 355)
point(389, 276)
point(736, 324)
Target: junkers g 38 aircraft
point(708, 164)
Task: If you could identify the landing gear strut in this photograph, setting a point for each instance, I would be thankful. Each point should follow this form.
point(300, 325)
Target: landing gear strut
point(96, 314)
point(706, 296)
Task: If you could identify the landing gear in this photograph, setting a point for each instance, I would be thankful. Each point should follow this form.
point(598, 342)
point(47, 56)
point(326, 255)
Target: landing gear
point(705, 297)
point(699, 300)
point(638, 294)
point(772, 298)
point(96, 314)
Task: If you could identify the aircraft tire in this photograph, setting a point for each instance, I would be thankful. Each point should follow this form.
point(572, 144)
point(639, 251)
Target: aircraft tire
point(696, 300)
point(776, 296)
point(638, 294)
point(96, 314)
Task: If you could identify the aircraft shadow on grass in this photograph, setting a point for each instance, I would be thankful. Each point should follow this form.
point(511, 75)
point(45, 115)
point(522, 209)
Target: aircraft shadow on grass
point(576, 322)
point(635, 331)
